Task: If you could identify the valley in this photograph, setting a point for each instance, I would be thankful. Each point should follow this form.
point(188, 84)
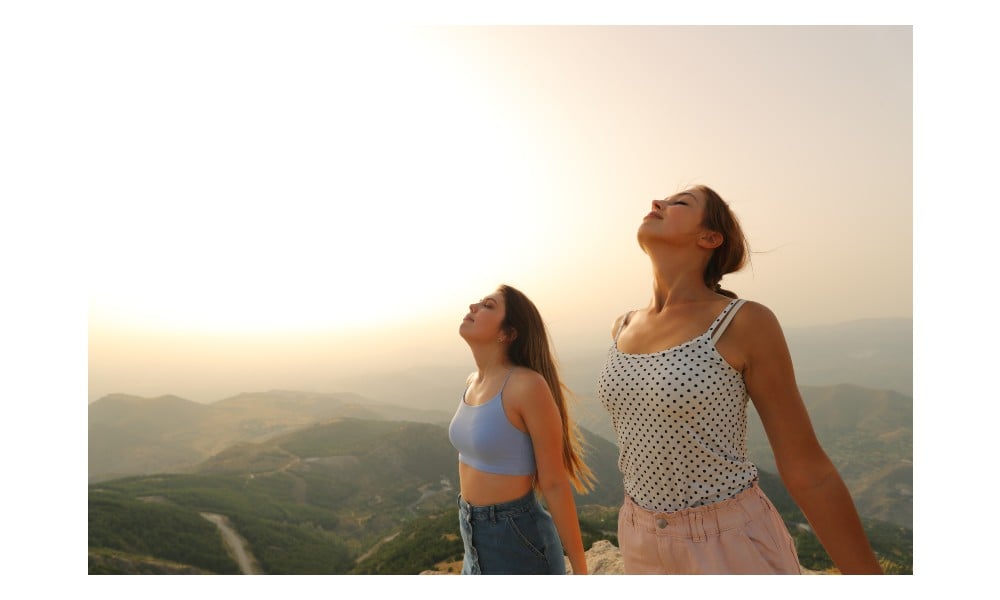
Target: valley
point(297, 482)
point(347, 496)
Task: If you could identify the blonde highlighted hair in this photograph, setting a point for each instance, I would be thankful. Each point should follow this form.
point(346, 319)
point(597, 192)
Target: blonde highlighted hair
point(530, 349)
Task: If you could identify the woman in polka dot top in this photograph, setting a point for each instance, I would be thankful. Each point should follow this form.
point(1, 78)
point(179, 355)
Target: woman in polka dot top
point(676, 384)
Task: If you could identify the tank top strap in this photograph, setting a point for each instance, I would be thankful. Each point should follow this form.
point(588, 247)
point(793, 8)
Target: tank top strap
point(504, 384)
point(725, 318)
point(622, 325)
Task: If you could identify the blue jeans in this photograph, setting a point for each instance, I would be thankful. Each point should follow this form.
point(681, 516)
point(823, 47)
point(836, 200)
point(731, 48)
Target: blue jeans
point(511, 538)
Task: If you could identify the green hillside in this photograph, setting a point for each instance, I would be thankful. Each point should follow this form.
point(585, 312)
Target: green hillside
point(131, 435)
point(306, 502)
point(892, 543)
point(143, 527)
point(346, 496)
point(868, 435)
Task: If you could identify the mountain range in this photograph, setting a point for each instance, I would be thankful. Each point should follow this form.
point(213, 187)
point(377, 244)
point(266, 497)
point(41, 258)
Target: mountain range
point(365, 481)
point(344, 496)
point(872, 353)
point(131, 435)
point(867, 433)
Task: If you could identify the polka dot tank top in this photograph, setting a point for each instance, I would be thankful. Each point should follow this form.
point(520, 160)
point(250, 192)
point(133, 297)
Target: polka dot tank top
point(680, 416)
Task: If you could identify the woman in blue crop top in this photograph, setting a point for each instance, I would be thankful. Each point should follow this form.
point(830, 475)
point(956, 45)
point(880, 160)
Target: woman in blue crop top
point(676, 384)
point(514, 437)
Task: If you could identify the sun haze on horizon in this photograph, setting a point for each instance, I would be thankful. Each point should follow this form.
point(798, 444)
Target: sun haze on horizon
point(369, 185)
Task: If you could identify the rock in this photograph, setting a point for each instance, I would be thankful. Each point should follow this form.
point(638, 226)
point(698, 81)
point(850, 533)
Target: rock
point(603, 558)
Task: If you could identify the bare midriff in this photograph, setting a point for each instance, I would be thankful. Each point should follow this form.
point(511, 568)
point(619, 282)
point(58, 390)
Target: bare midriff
point(481, 488)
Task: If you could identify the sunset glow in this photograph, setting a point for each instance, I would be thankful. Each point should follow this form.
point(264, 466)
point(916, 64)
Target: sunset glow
point(330, 200)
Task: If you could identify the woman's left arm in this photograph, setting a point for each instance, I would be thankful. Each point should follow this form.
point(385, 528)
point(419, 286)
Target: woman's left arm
point(541, 418)
point(804, 467)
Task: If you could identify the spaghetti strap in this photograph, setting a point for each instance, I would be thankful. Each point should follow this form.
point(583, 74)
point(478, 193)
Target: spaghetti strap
point(622, 325)
point(502, 386)
point(727, 317)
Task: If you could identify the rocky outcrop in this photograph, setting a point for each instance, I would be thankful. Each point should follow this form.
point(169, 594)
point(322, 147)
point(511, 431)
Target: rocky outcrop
point(603, 558)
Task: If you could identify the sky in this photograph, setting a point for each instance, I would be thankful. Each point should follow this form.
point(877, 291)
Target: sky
point(175, 174)
point(286, 195)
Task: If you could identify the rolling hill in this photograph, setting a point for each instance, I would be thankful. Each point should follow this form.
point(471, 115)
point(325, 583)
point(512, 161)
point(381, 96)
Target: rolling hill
point(342, 496)
point(131, 435)
point(307, 501)
point(340, 483)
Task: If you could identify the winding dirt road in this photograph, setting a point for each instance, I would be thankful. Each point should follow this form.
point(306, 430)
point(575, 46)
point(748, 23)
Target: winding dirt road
point(238, 546)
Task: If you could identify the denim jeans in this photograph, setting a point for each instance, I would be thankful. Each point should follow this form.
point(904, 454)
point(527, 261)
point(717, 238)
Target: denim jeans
point(512, 538)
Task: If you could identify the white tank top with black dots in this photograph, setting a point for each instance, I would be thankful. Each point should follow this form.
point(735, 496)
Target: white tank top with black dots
point(680, 416)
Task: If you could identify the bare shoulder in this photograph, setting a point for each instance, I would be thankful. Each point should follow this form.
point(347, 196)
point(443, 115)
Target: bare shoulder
point(525, 388)
point(755, 324)
point(753, 332)
point(526, 380)
point(755, 314)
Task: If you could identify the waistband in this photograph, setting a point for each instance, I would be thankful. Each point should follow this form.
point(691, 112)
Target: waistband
point(700, 521)
point(491, 512)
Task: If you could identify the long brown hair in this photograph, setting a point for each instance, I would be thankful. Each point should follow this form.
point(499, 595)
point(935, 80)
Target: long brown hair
point(530, 348)
point(732, 254)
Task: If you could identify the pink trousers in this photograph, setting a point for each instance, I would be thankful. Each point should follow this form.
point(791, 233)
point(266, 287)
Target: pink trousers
point(741, 535)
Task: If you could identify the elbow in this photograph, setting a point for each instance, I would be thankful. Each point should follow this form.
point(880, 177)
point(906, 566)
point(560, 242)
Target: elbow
point(803, 475)
point(552, 486)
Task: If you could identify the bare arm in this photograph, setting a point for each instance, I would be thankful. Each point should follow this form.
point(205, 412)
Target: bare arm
point(807, 472)
point(538, 410)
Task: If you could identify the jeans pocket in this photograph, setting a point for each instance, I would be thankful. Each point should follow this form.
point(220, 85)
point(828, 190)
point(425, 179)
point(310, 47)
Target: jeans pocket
point(527, 533)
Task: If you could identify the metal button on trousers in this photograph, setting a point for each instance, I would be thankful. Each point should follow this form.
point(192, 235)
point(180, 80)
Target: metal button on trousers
point(661, 523)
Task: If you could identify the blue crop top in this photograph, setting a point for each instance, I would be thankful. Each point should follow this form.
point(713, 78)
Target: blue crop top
point(486, 439)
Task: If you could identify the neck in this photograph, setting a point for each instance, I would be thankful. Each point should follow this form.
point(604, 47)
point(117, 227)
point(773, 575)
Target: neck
point(678, 279)
point(490, 358)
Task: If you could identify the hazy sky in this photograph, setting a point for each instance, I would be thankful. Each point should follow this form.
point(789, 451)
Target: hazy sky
point(366, 177)
point(284, 196)
point(262, 181)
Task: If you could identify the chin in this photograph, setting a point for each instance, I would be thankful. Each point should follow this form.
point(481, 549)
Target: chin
point(640, 237)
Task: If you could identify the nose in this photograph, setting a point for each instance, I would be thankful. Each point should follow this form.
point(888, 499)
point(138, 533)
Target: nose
point(657, 204)
point(473, 307)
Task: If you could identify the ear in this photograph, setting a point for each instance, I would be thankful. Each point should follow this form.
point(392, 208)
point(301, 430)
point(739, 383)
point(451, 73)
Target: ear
point(710, 239)
point(512, 335)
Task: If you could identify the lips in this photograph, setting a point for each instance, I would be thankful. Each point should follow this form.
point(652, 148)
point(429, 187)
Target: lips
point(653, 215)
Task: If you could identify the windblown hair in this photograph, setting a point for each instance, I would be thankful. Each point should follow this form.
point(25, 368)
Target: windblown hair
point(732, 255)
point(530, 349)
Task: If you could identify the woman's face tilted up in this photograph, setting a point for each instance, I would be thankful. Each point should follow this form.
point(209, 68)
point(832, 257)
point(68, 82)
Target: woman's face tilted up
point(675, 220)
point(484, 320)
